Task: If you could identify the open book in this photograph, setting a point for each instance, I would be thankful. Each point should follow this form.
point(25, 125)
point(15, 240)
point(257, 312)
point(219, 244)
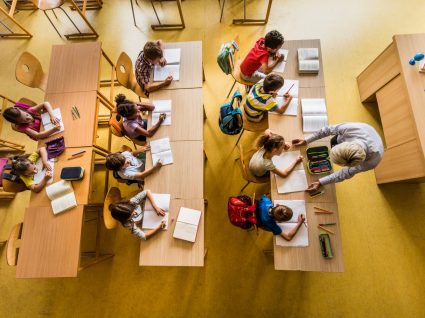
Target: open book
point(280, 67)
point(172, 67)
point(308, 60)
point(162, 106)
point(315, 115)
point(41, 172)
point(62, 195)
point(45, 119)
point(292, 86)
point(301, 238)
point(151, 219)
point(296, 180)
point(161, 149)
point(187, 224)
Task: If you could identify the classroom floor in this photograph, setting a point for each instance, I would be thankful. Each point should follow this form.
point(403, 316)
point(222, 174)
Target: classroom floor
point(382, 228)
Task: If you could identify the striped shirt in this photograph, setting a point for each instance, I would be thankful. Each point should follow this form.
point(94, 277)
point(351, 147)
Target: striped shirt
point(257, 103)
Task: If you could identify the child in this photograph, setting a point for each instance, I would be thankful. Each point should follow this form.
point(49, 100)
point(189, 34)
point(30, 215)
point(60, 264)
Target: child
point(128, 166)
point(130, 214)
point(27, 119)
point(261, 98)
point(255, 65)
point(270, 145)
point(151, 55)
point(24, 166)
point(268, 215)
point(134, 125)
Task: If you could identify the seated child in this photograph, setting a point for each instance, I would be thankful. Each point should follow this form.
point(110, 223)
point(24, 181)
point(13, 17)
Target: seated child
point(27, 119)
point(134, 125)
point(262, 98)
point(24, 166)
point(255, 65)
point(128, 166)
point(130, 214)
point(269, 145)
point(268, 215)
point(151, 55)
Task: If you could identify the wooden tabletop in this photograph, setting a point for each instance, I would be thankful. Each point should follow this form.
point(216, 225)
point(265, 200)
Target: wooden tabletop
point(50, 243)
point(74, 67)
point(164, 250)
point(82, 188)
point(186, 114)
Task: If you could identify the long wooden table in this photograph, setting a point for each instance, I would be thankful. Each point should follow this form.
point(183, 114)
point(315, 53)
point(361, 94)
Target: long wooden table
point(290, 127)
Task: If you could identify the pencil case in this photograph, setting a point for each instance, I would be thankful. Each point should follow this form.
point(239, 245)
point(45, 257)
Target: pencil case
point(325, 245)
point(72, 173)
point(318, 160)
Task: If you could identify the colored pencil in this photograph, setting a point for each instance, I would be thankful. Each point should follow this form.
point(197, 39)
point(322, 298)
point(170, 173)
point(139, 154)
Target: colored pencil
point(325, 229)
point(78, 156)
point(290, 88)
point(322, 210)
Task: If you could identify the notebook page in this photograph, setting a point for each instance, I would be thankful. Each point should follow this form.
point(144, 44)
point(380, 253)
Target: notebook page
point(297, 206)
point(185, 231)
point(299, 240)
point(166, 122)
point(189, 216)
point(59, 189)
point(296, 181)
point(286, 159)
point(41, 171)
point(151, 220)
point(172, 56)
point(160, 145)
point(287, 85)
point(291, 110)
point(314, 123)
point(161, 73)
point(313, 106)
point(162, 200)
point(45, 119)
point(165, 156)
point(162, 105)
point(308, 54)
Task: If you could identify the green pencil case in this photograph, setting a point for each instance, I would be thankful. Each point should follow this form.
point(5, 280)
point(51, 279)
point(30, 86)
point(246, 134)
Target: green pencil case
point(318, 160)
point(325, 246)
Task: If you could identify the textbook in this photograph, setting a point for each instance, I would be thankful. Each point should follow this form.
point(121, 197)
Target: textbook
point(161, 149)
point(292, 86)
point(280, 67)
point(301, 238)
point(162, 106)
point(151, 220)
point(41, 171)
point(308, 60)
point(62, 195)
point(315, 115)
point(45, 119)
point(172, 56)
point(296, 180)
point(187, 224)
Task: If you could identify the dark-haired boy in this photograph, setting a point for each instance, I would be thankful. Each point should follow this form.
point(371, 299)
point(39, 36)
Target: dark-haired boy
point(152, 54)
point(255, 65)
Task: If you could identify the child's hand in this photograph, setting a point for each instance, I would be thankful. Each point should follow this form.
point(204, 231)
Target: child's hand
point(162, 61)
point(47, 166)
point(168, 80)
point(158, 164)
point(162, 117)
point(280, 57)
point(145, 148)
point(159, 211)
point(299, 159)
point(54, 120)
point(301, 218)
point(287, 95)
point(298, 142)
point(313, 187)
point(163, 224)
point(56, 127)
point(48, 175)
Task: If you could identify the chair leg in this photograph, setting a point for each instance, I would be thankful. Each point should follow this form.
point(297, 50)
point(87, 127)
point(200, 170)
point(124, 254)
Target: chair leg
point(70, 20)
point(245, 186)
point(47, 16)
point(132, 10)
point(240, 136)
point(156, 14)
point(231, 89)
point(222, 9)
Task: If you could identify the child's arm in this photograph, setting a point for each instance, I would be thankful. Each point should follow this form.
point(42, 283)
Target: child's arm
point(146, 106)
point(267, 69)
point(150, 233)
point(141, 149)
point(287, 171)
point(144, 174)
point(281, 109)
point(48, 108)
point(43, 154)
point(289, 235)
point(43, 134)
point(154, 86)
point(151, 131)
point(39, 186)
point(158, 210)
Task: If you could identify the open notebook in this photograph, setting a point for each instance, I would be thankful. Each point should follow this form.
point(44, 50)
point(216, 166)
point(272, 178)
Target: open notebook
point(187, 224)
point(280, 67)
point(45, 119)
point(301, 238)
point(297, 180)
point(62, 195)
point(291, 110)
point(162, 106)
point(172, 68)
point(41, 172)
point(161, 149)
point(287, 86)
point(315, 115)
point(151, 220)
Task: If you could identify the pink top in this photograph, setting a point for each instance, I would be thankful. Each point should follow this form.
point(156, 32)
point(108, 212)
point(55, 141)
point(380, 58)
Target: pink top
point(131, 125)
point(34, 125)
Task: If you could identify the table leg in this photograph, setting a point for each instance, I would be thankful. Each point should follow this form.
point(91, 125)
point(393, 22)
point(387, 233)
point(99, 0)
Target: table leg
point(161, 27)
point(92, 35)
point(246, 21)
point(14, 35)
point(132, 10)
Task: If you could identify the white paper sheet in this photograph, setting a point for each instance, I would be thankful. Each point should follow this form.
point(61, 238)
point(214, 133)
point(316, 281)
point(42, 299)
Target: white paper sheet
point(172, 56)
point(286, 159)
point(45, 119)
point(287, 85)
point(296, 181)
point(162, 106)
point(42, 172)
point(161, 73)
point(151, 220)
point(280, 68)
point(297, 206)
point(291, 110)
point(299, 240)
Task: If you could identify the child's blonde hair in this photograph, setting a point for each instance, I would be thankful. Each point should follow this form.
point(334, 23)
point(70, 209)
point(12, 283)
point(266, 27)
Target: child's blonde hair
point(348, 154)
point(270, 141)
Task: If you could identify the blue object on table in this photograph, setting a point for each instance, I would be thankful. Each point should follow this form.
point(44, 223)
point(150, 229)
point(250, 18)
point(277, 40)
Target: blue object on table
point(412, 61)
point(418, 56)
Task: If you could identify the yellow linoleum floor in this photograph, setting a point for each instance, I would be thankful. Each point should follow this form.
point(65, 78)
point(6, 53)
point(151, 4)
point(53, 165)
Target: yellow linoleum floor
point(383, 228)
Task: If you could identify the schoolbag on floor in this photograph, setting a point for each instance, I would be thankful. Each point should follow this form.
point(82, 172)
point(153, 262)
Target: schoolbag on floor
point(225, 56)
point(241, 212)
point(230, 118)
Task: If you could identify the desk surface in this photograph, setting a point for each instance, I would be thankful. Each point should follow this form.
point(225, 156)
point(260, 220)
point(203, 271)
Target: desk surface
point(164, 250)
point(186, 114)
point(56, 251)
point(74, 67)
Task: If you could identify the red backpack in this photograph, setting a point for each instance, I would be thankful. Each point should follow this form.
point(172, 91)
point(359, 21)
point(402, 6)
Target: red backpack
point(241, 212)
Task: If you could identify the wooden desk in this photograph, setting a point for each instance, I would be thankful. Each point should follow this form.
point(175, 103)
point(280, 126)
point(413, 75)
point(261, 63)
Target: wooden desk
point(164, 250)
point(398, 89)
point(186, 114)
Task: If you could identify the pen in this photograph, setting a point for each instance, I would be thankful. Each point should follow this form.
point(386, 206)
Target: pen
point(323, 224)
point(287, 92)
point(77, 153)
point(73, 157)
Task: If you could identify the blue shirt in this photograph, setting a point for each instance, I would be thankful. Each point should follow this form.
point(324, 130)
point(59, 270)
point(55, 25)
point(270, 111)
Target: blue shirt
point(265, 221)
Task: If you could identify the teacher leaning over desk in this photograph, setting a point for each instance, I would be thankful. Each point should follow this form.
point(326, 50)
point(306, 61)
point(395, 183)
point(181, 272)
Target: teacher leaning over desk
point(355, 146)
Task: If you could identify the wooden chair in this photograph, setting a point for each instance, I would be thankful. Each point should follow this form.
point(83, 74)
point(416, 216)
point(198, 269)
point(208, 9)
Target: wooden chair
point(125, 75)
point(113, 195)
point(262, 125)
point(244, 159)
point(29, 72)
point(13, 245)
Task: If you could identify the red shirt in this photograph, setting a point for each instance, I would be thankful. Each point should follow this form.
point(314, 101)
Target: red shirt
point(255, 58)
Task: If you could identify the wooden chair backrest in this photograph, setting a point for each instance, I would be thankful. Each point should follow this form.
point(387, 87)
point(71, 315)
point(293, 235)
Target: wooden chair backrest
point(125, 74)
point(48, 4)
point(116, 126)
point(113, 195)
point(12, 247)
point(29, 71)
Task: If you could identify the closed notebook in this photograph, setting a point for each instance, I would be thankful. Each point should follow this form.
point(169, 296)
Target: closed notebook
point(187, 224)
point(47, 124)
point(62, 195)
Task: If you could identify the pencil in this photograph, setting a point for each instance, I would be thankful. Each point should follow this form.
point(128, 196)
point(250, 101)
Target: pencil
point(77, 153)
point(73, 115)
point(76, 110)
point(322, 210)
point(325, 229)
point(73, 157)
point(323, 224)
point(287, 92)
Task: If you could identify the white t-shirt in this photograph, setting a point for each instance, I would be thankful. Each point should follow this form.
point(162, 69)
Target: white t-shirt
point(258, 165)
point(136, 165)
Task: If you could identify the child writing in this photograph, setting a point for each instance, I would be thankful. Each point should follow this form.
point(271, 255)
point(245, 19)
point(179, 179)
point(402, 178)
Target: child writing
point(269, 145)
point(134, 125)
point(255, 65)
point(24, 166)
point(262, 98)
point(152, 54)
point(128, 166)
point(27, 119)
point(130, 214)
